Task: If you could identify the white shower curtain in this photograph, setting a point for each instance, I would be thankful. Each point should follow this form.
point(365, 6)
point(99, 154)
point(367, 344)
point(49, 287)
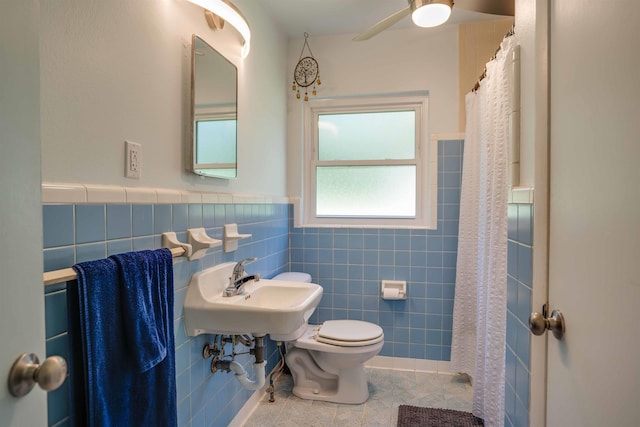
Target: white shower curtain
point(479, 314)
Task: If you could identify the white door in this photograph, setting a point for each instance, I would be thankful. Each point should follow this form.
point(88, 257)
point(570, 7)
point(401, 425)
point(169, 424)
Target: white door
point(593, 376)
point(21, 288)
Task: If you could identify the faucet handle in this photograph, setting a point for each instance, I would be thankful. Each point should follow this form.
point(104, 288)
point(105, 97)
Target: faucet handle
point(238, 270)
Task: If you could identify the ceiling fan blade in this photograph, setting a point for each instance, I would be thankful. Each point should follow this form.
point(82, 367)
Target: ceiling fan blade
point(382, 25)
point(492, 7)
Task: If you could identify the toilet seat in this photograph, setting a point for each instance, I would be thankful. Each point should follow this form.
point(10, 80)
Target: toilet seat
point(349, 333)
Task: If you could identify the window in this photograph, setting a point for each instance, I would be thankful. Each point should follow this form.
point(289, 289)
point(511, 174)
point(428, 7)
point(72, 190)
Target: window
point(215, 145)
point(368, 163)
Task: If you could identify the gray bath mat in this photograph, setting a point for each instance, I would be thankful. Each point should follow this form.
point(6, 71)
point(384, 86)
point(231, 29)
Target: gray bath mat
point(414, 416)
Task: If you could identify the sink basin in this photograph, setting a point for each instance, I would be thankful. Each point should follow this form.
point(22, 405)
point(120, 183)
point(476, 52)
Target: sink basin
point(272, 307)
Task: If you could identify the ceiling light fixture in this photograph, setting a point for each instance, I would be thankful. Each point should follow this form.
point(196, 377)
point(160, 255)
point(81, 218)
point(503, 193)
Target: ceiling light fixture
point(230, 13)
point(430, 13)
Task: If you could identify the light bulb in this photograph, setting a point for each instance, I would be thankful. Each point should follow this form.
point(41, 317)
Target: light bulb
point(232, 16)
point(431, 15)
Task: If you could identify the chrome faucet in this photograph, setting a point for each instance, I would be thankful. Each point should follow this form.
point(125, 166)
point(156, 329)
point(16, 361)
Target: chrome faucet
point(238, 270)
point(238, 280)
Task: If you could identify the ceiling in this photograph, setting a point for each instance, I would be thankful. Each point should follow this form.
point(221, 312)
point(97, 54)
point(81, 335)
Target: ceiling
point(330, 17)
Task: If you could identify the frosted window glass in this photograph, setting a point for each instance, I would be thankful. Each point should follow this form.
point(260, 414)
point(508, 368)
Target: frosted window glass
point(367, 136)
point(366, 191)
point(215, 141)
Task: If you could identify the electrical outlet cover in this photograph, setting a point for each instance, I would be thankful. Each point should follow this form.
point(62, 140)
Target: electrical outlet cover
point(132, 160)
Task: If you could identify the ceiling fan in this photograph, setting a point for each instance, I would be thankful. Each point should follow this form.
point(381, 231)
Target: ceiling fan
point(431, 13)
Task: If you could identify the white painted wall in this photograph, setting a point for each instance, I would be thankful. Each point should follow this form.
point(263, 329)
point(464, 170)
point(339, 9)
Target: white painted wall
point(119, 70)
point(393, 61)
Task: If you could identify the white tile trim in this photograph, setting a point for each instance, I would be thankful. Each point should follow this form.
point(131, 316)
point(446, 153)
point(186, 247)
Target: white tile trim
point(280, 199)
point(105, 194)
point(53, 193)
point(64, 193)
point(452, 136)
point(521, 195)
point(210, 198)
point(408, 364)
point(191, 197)
point(141, 195)
point(225, 198)
point(168, 196)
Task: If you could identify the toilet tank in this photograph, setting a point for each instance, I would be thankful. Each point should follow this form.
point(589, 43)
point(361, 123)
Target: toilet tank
point(294, 277)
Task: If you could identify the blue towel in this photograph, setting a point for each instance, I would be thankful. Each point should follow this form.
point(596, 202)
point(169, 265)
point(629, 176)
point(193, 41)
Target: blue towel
point(144, 306)
point(122, 357)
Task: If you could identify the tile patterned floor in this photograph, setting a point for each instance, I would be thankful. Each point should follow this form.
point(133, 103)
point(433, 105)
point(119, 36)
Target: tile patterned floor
point(388, 390)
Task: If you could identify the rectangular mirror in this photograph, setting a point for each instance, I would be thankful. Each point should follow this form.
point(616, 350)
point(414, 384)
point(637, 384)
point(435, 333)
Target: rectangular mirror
point(214, 88)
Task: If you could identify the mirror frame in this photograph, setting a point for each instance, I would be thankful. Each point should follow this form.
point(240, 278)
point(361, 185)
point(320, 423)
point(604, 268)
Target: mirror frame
point(193, 165)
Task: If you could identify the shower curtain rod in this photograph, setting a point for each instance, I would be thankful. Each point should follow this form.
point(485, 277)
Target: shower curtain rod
point(511, 32)
point(66, 274)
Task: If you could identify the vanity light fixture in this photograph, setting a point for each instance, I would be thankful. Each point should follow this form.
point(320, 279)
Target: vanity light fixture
point(430, 13)
point(227, 11)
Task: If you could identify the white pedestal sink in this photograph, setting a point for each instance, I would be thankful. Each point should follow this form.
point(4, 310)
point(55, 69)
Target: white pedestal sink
point(265, 307)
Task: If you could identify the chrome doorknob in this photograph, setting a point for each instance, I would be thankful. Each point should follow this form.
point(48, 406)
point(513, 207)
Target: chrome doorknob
point(27, 371)
point(539, 323)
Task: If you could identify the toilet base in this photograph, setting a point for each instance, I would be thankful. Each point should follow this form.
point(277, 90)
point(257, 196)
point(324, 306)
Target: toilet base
point(354, 397)
point(348, 386)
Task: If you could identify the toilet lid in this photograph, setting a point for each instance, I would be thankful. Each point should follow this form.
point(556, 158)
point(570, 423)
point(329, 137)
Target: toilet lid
point(349, 333)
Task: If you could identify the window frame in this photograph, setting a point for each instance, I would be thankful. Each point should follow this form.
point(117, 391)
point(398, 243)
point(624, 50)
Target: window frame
point(425, 161)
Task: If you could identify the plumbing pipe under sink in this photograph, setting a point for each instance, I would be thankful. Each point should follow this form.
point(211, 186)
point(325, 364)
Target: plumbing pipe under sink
point(260, 364)
point(231, 365)
point(241, 375)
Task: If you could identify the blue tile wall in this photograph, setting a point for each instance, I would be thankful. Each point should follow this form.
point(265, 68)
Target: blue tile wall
point(519, 282)
point(350, 263)
point(58, 221)
point(90, 223)
point(76, 233)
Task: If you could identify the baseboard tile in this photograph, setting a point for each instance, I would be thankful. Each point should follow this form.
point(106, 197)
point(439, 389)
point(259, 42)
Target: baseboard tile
point(441, 367)
point(250, 405)
point(408, 364)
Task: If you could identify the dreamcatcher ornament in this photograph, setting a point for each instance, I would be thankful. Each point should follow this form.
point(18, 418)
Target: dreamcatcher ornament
point(306, 73)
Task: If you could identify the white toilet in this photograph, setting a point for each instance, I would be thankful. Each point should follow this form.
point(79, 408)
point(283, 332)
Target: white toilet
point(327, 361)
